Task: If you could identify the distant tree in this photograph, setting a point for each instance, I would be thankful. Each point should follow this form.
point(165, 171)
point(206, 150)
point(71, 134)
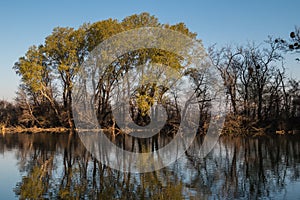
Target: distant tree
point(8, 114)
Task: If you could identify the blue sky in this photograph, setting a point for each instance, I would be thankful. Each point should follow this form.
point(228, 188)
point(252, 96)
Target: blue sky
point(26, 23)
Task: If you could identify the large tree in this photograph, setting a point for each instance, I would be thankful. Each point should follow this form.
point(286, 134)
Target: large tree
point(48, 71)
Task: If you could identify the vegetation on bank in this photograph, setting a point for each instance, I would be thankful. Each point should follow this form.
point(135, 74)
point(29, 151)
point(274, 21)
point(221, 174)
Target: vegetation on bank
point(262, 97)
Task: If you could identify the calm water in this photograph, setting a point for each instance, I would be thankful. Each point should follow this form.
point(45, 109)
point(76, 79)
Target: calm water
point(57, 166)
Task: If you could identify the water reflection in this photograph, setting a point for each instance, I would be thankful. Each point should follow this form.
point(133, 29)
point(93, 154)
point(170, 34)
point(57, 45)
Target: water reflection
point(246, 168)
point(59, 166)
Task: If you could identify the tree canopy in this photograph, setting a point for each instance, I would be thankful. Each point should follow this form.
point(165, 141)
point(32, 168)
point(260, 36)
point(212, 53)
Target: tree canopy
point(47, 71)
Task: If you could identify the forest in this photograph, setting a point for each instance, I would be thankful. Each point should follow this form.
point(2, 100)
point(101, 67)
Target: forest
point(262, 97)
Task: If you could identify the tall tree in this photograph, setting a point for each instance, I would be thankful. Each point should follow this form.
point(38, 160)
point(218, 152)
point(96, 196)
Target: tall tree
point(65, 50)
point(37, 80)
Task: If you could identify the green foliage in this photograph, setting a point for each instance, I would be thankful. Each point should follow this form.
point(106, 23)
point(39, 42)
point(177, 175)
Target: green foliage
point(47, 71)
point(65, 50)
point(100, 31)
point(33, 186)
point(32, 68)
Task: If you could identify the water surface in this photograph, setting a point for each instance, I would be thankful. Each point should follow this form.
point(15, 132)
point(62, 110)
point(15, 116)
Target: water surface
point(57, 166)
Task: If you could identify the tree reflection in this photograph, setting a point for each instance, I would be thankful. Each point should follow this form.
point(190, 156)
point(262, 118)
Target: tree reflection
point(57, 166)
point(246, 167)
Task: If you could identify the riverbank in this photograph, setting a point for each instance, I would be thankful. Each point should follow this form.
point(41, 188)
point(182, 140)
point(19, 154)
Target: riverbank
point(7, 130)
point(19, 129)
point(232, 131)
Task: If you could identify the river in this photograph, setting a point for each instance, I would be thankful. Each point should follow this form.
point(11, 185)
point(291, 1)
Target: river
point(58, 166)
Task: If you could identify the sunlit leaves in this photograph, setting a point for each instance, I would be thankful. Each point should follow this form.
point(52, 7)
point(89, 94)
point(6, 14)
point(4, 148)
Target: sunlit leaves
point(48, 71)
point(32, 68)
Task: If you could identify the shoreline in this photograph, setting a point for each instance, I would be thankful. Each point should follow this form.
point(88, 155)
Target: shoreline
point(11, 130)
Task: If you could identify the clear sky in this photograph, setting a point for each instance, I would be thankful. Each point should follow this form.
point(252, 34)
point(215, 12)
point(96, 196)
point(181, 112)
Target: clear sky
point(27, 23)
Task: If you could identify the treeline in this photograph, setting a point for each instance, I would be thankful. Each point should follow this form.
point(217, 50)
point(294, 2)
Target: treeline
point(260, 94)
point(47, 71)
